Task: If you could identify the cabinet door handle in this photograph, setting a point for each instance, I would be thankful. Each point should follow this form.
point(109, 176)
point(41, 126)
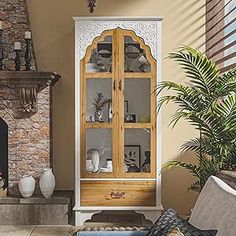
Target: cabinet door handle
point(114, 85)
point(117, 195)
point(120, 84)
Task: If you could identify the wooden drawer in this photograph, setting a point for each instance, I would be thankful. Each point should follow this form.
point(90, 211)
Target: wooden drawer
point(118, 193)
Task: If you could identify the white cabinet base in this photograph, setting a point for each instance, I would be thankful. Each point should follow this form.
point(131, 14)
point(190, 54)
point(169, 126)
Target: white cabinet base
point(83, 215)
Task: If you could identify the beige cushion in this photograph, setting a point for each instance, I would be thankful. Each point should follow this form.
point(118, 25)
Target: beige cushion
point(216, 208)
point(175, 232)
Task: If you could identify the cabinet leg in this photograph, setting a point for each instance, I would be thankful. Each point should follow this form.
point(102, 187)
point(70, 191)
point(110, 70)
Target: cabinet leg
point(150, 215)
point(82, 216)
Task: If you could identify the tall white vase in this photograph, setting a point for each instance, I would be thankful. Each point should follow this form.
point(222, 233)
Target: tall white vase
point(95, 159)
point(47, 183)
point(26, 186)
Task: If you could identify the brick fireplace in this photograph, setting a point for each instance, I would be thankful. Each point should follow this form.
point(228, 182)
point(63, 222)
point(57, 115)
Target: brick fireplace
point(25, 104)
point(27, 136)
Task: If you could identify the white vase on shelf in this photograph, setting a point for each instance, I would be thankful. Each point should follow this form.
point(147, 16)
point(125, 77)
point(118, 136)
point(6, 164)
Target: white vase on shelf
point(47, 182)
point(89, 165)
point(94, 155)
point(26, 186)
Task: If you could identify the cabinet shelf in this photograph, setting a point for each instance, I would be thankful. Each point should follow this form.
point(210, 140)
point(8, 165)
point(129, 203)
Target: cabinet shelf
point(98, 75)
point(138, 75)
point(98, 125)
point(127, 75)
point(137, 125)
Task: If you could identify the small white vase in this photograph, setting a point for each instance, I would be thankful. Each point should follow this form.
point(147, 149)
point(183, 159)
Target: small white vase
point(89, 166)
point(26, 186)
point(47, 182)
point(95, 160)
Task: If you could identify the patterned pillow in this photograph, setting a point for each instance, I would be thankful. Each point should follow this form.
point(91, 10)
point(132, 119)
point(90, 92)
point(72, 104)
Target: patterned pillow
point(175, 232)
point(169, 221)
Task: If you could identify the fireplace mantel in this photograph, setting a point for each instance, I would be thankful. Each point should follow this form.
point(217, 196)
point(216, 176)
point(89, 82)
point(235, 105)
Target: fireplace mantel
point(28, 83)
point(34, 78)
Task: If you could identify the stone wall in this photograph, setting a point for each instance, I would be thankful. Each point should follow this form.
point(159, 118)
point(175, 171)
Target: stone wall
point(29, 134)
point(15, 19)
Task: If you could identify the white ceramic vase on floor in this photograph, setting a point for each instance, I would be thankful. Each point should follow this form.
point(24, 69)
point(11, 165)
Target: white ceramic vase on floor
point(47, 183)
point(26, 186)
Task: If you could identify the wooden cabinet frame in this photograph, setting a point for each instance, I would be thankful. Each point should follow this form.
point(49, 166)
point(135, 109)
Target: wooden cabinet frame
point(118, 76)
point(89, 31)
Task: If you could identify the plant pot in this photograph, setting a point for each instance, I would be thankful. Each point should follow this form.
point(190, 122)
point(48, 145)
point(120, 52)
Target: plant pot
point(26, 186)
point(98, 116)
point(47, 183)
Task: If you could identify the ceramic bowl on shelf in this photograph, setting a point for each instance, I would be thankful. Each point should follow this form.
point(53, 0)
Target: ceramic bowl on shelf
point(92, 67)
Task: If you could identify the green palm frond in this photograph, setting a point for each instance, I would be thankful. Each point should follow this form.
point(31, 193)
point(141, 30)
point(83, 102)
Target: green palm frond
point(208, 102)
point(201, 71)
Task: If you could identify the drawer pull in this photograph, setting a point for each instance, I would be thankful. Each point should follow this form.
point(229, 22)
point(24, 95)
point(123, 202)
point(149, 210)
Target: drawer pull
point(117, 195)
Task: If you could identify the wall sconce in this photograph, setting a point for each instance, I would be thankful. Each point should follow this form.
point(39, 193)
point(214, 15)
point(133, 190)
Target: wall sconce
point(91, 5)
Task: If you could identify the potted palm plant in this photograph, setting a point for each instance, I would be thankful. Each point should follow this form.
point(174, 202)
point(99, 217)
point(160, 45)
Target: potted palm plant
point(208, 102)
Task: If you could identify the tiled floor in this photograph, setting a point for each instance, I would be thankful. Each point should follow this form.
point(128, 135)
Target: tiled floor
point(33, 230)
point(103, 219)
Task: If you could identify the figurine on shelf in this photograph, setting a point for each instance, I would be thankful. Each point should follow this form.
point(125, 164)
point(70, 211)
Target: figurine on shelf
point(146, 165)
point(99, 103)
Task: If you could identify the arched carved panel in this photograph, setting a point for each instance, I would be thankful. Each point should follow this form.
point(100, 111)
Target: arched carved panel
point(90, 30)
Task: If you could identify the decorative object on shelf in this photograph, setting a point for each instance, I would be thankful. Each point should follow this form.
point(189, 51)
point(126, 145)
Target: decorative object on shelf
point(126, 167)
point(17, 48)
point(146, 165)
point(132, 157)
point(108, 166)
point(1, 46)
point(26, 186)
point(130, 118)
point(93, 154)
point(89, 165)
point(133, 169)
point(47, 182)
point(110, 109)
point(92, 67)
point(99, 103)
point(91, 5)
point(28, 50)
point(145, 65)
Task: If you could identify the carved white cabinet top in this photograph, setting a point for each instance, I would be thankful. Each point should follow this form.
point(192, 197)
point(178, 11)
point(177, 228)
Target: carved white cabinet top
point(88, 28)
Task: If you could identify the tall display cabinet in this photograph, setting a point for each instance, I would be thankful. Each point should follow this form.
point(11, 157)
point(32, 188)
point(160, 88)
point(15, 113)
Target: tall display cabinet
point(117, 156)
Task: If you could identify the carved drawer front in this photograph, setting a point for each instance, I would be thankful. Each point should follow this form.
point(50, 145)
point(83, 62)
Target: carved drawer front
point(118, 193)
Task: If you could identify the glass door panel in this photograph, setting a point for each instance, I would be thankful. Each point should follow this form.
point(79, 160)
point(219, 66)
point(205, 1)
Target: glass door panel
point(101, 57)
point(135, 57)
point(99, 151)
point(137, 146)
point(99, 100)
point(137, 103)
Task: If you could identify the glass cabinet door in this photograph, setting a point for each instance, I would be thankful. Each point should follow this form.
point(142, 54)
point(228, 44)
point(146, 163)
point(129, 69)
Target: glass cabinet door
point(97, 109)
point(137, 104)
point(118, 120)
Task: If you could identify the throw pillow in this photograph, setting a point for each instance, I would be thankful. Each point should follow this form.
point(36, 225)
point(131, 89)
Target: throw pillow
point(169, 220)
point(175, 232)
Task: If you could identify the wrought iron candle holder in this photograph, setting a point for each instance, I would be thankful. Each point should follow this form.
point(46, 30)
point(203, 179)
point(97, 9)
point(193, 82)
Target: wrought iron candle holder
point(17, 59)
point(28, 55)
point(1, 49)
point(91, 5)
